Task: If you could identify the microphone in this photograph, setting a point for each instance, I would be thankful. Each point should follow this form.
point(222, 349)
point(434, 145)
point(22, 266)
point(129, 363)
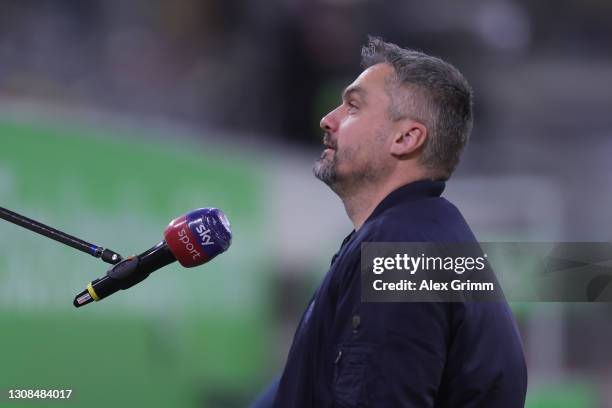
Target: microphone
point(193, 239)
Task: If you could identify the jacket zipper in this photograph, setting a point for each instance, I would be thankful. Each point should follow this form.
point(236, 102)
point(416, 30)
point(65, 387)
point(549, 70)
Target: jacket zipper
point(338, 357)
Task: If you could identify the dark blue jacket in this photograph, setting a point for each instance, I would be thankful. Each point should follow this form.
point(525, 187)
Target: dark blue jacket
point(348, 353)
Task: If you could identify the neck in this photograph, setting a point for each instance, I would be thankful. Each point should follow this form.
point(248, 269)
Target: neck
point(360, 203)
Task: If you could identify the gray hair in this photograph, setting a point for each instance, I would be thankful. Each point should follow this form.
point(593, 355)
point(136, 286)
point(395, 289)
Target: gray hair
point(438, 96)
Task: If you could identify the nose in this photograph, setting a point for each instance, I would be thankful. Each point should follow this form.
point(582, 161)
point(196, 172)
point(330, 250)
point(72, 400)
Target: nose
point(329, 123)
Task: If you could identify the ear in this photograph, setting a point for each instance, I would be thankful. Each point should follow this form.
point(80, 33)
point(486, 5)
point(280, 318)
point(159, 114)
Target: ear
point(409, 138)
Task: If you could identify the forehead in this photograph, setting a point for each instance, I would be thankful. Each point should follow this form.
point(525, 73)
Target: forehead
point(373, 81)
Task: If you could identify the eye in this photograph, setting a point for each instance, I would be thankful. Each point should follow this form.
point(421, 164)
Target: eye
point(352, 106)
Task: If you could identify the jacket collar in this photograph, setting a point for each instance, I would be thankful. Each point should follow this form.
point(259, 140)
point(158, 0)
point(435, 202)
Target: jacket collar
point(408, 192)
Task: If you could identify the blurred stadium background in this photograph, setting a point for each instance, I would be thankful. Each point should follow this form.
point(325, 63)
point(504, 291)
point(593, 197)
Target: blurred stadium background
point(116, 117)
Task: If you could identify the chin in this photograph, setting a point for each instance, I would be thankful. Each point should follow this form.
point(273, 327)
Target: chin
point(324, 170)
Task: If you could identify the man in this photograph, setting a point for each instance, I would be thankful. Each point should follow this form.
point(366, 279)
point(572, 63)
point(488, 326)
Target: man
point(390, 146)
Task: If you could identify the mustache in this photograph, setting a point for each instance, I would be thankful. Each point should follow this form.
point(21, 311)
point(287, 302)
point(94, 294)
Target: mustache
point(327, 141)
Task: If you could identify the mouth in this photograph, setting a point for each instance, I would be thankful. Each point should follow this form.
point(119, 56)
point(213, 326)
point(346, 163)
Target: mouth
point(328, 143)
point(327, 153)
point(329, 150)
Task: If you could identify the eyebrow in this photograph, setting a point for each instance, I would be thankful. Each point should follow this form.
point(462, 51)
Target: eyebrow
point(354, 90)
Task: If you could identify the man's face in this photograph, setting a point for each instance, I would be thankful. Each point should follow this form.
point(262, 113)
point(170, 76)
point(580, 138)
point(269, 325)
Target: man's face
point(357, 133)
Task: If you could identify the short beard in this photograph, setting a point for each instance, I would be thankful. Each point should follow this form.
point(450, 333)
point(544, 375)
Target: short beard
point(325, 170)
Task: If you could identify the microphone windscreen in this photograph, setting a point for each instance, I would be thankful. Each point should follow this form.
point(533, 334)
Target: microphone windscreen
point(198, 236)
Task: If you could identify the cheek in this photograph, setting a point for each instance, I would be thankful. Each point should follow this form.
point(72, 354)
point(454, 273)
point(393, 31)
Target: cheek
point(353, 132)
point(358, 133)
point(367, 149)
point(353, 154)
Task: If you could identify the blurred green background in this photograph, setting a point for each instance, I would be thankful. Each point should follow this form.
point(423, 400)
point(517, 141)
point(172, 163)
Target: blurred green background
point(188, 337)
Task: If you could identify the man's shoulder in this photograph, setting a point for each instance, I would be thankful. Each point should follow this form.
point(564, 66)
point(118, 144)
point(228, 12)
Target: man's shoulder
point(431, 219)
